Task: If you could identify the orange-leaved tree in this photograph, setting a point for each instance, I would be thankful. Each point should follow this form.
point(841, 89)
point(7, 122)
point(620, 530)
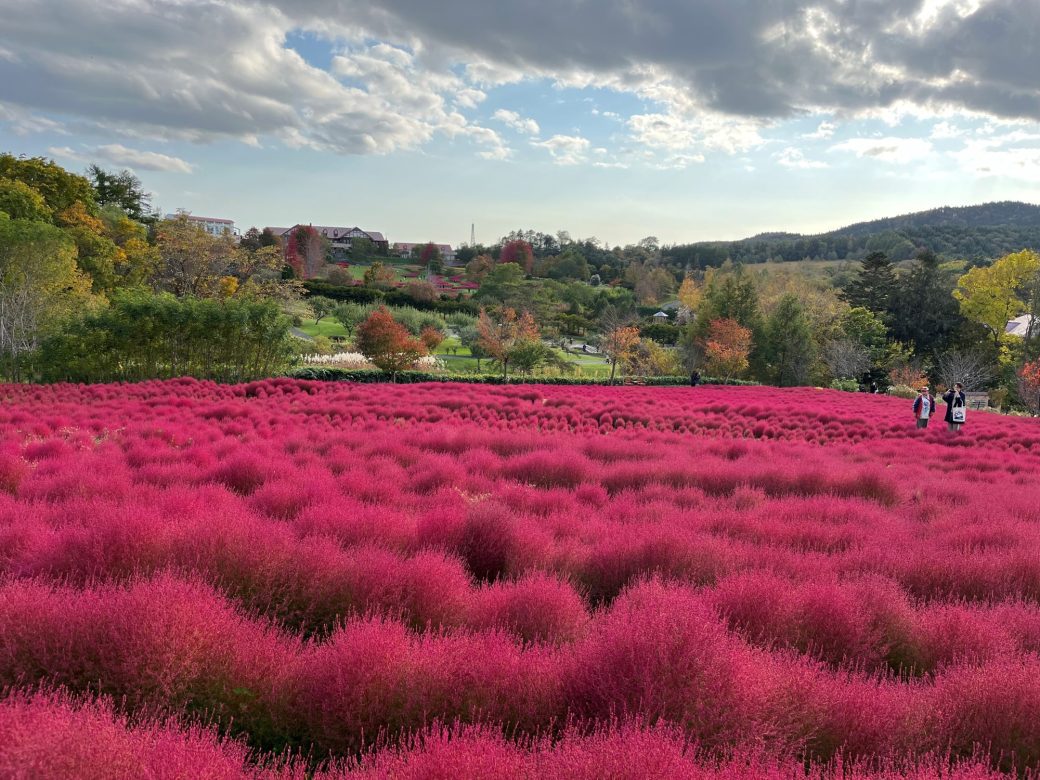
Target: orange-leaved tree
point(619, 345)
point(501, 339)
point(726, 348)
point(387, 343)
point(1029, 384)
point(431, 337)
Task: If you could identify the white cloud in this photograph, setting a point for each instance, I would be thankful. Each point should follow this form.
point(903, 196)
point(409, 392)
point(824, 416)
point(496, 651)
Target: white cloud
point(120, 155)
point(514, 120)
point(202, 70)
point(890, 149)
point(679, 161)
point(795, 158)
point(22, 122)
point(823, 132)
point(711, 74)
point(1013, 155)
point(565, 149)
point(470, 98)
point(142, 160)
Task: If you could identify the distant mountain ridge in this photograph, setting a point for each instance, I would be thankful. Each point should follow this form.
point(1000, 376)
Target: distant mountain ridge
point(987, 215)
point(977, 234)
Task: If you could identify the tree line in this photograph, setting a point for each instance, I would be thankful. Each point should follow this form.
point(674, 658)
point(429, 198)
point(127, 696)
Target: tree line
point(94, 285)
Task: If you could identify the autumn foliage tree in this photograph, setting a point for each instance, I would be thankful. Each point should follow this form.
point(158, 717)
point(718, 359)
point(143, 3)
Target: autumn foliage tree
point(503, 339)
point(618, 345)
point(479, 267)
point(1029, 385)
point(519, 252)
point(306, 252)
point(387, 343)
point(430, 256)
point(431, 337)
point(726, 348)
point(689, 295)
point(379, 276)
point(994, 294)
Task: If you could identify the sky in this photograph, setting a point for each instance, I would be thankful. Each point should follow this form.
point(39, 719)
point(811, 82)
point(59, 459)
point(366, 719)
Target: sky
point(686, 120)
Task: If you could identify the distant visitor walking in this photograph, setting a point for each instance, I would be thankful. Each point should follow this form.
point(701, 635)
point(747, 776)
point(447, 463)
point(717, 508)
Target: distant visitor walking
point(956, 407)
point(924, 407)
point(695, 378)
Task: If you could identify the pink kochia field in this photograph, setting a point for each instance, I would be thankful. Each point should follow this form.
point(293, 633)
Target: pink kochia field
point(290, 579)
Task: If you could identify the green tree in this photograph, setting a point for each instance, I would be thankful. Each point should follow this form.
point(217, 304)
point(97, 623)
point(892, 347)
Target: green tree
point(59, 188)
point(122, 189)
point(789, 350)
point(528, 354)
point(570, 264)
point(469, 337)
point(362, 248)
point(925, 313)
point(504, 285)
point(875, 285)
point(20, 201)
point(97, 254)
point(40, 288)
point(350, 315)
point(321, 306)
point(145, 336)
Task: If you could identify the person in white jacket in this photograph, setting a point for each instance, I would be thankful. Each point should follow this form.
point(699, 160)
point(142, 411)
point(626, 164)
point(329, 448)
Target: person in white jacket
point(924, 407)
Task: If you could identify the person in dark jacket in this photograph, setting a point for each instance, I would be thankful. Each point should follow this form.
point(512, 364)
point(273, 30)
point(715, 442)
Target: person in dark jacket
point(695, 378)
point(956, 407)
point(924, 407)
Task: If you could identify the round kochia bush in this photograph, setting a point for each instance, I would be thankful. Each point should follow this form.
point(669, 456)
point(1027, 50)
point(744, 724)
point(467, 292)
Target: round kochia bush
point(528, 580)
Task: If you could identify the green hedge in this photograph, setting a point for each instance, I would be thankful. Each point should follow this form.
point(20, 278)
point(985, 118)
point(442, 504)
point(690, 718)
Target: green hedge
point(360, 294)
point(369, 376)
point(142, 336)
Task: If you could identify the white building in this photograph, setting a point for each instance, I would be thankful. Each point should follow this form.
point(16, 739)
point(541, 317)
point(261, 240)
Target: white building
point(1022, 326)
point(215, 226)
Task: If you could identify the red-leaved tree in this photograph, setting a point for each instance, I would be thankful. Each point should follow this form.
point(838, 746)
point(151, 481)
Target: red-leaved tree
point(518, 252)
point(292, 255)
point(387, 343)
point(1029, 384)
point(305, 252)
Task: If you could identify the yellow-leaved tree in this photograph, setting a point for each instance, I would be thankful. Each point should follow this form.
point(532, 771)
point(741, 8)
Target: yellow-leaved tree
point(689, 295)
point(995, 294)
point(40, 288)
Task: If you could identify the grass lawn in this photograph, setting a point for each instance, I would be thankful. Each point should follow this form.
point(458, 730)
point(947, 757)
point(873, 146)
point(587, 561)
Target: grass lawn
point(327, 327)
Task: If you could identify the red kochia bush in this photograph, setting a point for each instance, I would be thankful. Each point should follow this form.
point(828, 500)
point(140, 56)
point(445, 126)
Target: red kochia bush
point(372, 678)
point(309, 565)
point(155, 643)
point(661, 653)
point(53, 737)
point(536, 607)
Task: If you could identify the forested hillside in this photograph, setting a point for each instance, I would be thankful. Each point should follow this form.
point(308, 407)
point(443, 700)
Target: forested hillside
point(974, 233)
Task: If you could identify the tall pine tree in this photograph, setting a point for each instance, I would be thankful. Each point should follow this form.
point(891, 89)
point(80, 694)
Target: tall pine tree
point(874, 287)
point(788, 350)
point(924, 311)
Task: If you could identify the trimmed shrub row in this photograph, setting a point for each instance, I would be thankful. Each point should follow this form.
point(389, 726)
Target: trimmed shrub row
point(368, 376)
